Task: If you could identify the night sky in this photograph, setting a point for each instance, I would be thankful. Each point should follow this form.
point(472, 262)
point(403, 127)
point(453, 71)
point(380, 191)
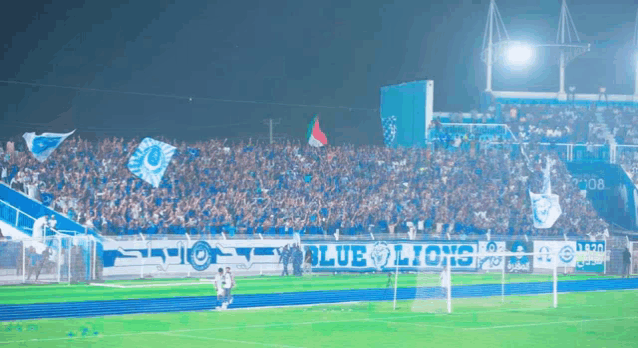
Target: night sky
point(244, 61)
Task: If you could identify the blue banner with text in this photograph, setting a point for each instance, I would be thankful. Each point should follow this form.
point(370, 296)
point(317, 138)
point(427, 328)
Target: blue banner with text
point(385, 256)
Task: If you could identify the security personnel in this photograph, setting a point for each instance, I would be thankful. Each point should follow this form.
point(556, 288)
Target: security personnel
point(285, 258)
point(297, 260)
point(626, 262)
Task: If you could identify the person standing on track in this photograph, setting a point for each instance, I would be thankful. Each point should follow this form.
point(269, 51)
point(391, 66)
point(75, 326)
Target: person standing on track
point(626, 262)
point(389, 285)
point(307, 266)
point(32, 261)
point(219, 286)
point(297, 260)
point(42, 263)
point(285, 258)
point(229, 284)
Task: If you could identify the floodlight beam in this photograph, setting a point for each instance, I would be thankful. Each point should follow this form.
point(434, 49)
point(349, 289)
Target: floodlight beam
point(567, 43)
point(519, 54)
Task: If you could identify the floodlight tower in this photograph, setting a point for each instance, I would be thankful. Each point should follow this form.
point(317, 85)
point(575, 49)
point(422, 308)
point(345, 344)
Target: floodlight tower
point(494, 26)
point(568, 41)
point(497, 44)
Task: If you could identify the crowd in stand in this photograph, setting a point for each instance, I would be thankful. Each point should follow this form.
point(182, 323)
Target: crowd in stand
point(623, 122)
point(576, 124)
point(213, 187)
point(553, 124)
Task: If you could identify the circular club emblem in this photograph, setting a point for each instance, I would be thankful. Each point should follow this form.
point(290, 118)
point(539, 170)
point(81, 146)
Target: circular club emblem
point(200, 256)
point(154, 159)
point(566, 254)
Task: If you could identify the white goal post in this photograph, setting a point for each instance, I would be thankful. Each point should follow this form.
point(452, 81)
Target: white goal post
point(53, 259)
point(438, 288)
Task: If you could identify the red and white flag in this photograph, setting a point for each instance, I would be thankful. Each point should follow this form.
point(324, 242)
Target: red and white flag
point(315, 136)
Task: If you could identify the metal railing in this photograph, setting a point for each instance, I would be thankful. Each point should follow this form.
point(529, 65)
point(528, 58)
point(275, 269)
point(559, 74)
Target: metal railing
point(16, 218)
point(495, 134)
point(480, 131)
point(24, 222)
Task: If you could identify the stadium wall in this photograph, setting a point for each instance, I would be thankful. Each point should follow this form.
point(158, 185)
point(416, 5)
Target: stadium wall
point(613, 195)
point(410, 106)
point(201, 258)
point(385, 256)
point(183, 257)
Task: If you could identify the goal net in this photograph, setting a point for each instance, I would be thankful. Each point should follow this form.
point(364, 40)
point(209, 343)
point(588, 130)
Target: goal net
point(54, 259)
point(432, 291)
point(509, 282)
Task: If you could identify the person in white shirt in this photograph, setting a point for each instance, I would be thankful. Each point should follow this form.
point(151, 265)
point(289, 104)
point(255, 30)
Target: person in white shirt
point(39, 227)
point(219, 286)
point(4, 175)
point(229, 284)
point(52, 222)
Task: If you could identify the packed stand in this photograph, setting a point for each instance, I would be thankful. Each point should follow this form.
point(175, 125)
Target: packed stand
point(553, 124)
point(212, 187)
point(623, 122)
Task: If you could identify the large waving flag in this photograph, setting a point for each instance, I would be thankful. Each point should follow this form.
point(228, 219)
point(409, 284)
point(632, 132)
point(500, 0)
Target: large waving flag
point(315, 136)
point(42, 146)
point(150, 160)
point(545, 205)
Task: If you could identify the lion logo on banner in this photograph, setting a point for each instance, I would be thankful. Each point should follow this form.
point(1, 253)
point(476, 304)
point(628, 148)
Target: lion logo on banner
point(380, 255)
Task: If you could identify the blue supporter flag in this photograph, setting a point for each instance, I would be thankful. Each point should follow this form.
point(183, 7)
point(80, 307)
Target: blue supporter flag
point(42, 146)
point(150, 160)
point(194, 152)
point(47, 198)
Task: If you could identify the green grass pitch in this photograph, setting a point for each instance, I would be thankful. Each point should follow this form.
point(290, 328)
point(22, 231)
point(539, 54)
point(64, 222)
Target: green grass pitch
point(590, 319)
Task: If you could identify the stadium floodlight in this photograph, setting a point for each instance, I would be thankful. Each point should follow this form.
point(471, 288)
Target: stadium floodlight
point(497, 45)
point(520, 54)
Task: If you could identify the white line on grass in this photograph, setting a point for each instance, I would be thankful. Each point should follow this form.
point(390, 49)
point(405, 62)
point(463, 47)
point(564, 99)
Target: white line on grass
point(549, 323)
point(231, 341)
point(108, 285)
point(417, 324)
point(285, 324)
point(166, 285)
point(214, 328)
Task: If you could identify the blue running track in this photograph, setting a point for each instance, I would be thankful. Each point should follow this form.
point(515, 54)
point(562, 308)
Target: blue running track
point(179, 304)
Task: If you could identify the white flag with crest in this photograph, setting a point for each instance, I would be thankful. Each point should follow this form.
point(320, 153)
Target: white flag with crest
point(545, 205)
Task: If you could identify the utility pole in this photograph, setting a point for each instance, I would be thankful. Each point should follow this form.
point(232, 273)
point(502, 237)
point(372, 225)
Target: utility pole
point(271, 123)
